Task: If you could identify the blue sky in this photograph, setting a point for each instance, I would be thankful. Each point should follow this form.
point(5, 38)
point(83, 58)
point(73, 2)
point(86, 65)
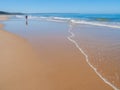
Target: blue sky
point(65, 6)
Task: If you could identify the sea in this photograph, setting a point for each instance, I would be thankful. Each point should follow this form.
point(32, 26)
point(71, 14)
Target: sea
point(96, 18)
point(96, 36)
point(104, 19)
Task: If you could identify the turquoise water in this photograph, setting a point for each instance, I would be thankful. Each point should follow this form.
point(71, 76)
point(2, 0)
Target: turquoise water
point(88, 17)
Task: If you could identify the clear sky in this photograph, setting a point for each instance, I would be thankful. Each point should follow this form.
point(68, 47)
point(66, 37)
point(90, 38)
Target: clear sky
point(65, 6)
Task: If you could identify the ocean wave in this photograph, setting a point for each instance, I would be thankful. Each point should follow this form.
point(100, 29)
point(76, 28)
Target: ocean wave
point(57, 19)
point(76, 21)
point(96, 23)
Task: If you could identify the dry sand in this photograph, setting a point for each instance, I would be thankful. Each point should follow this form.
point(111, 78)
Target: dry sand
point(60, 66)
point(19, 65)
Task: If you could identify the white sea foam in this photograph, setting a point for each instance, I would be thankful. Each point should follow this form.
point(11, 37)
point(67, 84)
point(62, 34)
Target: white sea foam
point(43, 17)
point(58, 19)
point(61, 18)
point(20, 16)
point(54, 20)
point(87, 59)
point(32, 17)
point(95, 23)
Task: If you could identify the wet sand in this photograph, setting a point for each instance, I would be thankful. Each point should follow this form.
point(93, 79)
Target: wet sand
point(44, 60)
point(4, 17)
point(102, 45)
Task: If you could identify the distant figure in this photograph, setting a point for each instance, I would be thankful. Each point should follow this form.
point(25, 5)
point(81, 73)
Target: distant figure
point(26, 17)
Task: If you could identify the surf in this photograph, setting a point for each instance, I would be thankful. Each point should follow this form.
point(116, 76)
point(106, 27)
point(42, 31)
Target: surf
point(70, 38)
point(73, 20)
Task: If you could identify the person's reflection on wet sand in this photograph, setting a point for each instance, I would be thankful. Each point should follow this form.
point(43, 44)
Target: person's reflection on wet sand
point(26, 20)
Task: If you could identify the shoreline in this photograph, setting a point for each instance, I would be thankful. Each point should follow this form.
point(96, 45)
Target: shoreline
point(66, 69)
point(87, 59)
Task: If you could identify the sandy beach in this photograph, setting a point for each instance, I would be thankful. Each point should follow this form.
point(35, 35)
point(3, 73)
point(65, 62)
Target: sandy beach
point(43, 60)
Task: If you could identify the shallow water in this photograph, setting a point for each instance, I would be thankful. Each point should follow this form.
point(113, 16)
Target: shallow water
point(102, 45)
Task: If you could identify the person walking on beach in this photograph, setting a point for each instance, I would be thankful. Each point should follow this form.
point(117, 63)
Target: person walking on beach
point(26, 17)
